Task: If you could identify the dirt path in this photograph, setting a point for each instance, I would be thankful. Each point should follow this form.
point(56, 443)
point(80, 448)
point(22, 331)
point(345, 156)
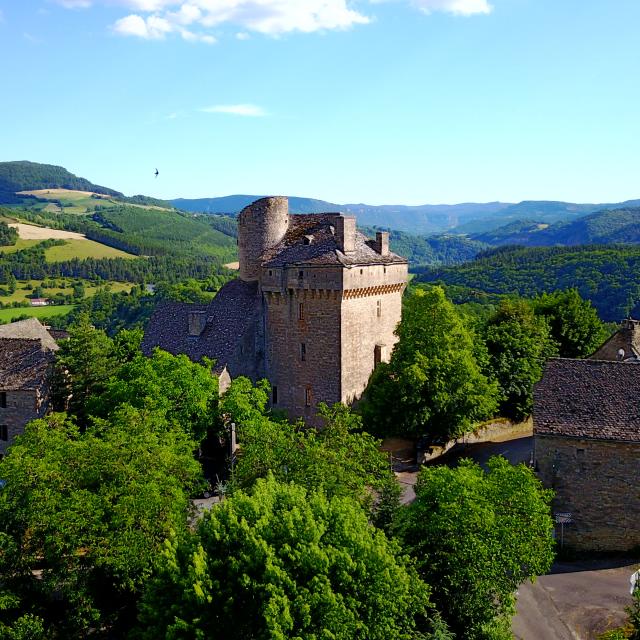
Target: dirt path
point(29, 232)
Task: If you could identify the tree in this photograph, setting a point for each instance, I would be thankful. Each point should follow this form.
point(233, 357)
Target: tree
point(283, 562)
point(338, 459)
point(573, 323)
point(433, 385)
point(83, 516)
point(476, 536)
point(519, 344)
point(183, 392)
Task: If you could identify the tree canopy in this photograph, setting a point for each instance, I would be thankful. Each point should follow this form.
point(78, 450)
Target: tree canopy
point(476, 536)
point(283, 562)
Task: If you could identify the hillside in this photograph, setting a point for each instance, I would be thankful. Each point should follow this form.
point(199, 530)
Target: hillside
point(606, 275)
point(604, 227)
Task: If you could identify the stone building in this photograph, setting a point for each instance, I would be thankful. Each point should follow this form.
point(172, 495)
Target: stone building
point(314, 308)
point(27, 353)
point(586, 421)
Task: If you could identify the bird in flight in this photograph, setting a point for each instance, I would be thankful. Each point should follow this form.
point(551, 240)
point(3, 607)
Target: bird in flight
point(156, 173)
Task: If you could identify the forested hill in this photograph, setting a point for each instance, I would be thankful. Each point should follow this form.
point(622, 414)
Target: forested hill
point(30, 176)
point(609, 276)
point(603, 227)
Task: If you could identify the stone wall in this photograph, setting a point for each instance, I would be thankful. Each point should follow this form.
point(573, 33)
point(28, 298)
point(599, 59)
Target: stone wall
point(597, 482)
point(22, 407)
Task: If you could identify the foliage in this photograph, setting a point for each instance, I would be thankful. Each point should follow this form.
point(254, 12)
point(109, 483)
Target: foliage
point(433, 384)
point(476, 536)
point(8, 235)
point(338, 458)
point(84, 514)
point(573, 323)
point(283, 562)
point(518, 344)
point(605, 275)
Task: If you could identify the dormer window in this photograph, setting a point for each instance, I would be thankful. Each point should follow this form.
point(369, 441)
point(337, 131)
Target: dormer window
point(308, 240)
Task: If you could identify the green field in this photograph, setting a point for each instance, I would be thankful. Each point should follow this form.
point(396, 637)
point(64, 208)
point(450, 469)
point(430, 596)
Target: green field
point(83, 249)
point(26, 287)
point(19, 245)
point(6, 315)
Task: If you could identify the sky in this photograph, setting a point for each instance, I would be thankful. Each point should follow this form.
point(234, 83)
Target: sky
point(383, 102)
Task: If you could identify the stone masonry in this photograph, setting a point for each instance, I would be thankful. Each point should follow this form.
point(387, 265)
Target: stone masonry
point(319, 305)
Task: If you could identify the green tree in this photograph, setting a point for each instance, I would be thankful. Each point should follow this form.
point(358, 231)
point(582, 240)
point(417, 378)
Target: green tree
point(339, 458)
point(84, 516)
point(519, 344)
point(283, 562)
point(476, 536)
point(433, 385)
point(573, 323)
point(184, 392)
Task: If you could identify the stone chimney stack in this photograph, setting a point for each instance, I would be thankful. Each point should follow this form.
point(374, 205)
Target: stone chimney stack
point(382, 243)
point(346, 233)
point(197, 322)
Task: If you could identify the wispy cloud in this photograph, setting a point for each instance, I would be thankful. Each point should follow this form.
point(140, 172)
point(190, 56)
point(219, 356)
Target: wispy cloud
point(31, 38)
point(247, 110)
point(75, 4)
point(156, 28)
point(1, 16)
point(456, 7)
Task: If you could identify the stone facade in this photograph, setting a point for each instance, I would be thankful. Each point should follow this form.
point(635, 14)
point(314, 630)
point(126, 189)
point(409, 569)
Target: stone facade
point(22, 406)
point(597, 482)
point(322, 311)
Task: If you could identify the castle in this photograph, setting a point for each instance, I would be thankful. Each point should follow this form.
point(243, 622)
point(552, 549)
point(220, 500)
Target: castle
point(314, 309)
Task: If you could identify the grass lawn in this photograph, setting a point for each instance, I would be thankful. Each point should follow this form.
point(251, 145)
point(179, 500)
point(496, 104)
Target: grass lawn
point(6, 315)
point(19, 245)
point(25, 287)
point(83, 249)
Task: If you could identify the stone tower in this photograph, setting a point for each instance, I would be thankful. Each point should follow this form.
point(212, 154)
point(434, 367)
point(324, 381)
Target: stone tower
point(261, 226)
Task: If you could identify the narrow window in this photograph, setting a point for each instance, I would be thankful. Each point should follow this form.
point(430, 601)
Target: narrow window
point(361, 272)
point(379, 308)
point(301, 311)
point(300, 274)
point(3, 399)
point(303, 351)
point(4, 432)
point(274, 395)
point(307, 397)
point(377, 355)
point(270, 272)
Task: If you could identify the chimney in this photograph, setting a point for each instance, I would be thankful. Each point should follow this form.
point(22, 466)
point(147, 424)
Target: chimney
point(197, 322)
point(382, 243)
point(346, 233)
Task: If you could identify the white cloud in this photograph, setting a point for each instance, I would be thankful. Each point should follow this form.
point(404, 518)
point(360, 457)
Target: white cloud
point(75, 4)
point(456, 7)
point(151, 28)
point(247, 110)
point(242, 35)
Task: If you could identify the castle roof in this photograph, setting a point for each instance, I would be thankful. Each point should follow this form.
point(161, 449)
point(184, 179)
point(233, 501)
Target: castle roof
point(311, 239)
point(590, 399)
point(227, 318)
point(624, 344)
point(24, 363)
point(31, 329)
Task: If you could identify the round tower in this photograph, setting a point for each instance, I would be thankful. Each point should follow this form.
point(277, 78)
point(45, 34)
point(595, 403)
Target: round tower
point(261, 226)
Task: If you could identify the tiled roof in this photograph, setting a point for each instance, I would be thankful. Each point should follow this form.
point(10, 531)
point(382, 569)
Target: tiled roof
point(31, 329)
point(228, 316)
point(24, 363)
point(310, 239)
point(588, 399)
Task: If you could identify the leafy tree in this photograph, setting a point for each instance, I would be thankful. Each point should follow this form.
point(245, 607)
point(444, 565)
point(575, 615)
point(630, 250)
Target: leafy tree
point(519, 344)
point(183, 392)
point(476, 536)
point(573, 323)
point(83, 515)
point(8, 235)
point(85, 362)
point(433, 384)
point(284, 562)
point(339, 458)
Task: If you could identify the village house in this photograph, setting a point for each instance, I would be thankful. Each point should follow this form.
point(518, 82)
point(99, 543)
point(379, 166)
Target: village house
point(27, 353)
point(314, 308)
point(586, 421)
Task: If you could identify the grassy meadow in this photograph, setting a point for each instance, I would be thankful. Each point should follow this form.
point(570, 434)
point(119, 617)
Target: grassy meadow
point(64, 285)
point(7, 315)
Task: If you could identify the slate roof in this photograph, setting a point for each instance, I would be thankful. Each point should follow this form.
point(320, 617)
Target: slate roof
point(24, 363)
point(228, 316)
point(31, 329)
point(323, 248)
point(592, 399)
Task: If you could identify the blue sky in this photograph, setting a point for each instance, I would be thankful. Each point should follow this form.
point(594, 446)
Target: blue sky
point(396, 101)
